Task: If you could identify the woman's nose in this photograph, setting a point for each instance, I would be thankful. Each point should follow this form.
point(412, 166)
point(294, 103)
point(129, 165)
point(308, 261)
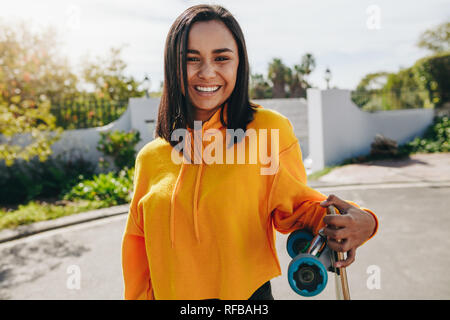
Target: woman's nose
point(207, 71)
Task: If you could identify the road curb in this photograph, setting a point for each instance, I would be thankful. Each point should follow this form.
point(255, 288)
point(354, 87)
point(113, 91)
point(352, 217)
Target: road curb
point(42, 226)
point(322, 184)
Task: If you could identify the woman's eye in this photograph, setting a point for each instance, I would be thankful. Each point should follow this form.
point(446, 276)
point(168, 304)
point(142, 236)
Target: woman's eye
point(222, 58)
point(192, 59)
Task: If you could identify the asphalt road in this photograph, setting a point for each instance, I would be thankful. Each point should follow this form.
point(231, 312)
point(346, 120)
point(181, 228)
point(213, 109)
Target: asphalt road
point(407, 259)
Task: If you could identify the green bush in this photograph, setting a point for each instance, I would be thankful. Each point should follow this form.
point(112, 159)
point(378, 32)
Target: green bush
point(111, 188)
point(120, 146)
point(25, 181)
point(435, 139)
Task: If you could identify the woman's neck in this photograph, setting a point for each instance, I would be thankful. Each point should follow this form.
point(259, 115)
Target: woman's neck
point(204, 115)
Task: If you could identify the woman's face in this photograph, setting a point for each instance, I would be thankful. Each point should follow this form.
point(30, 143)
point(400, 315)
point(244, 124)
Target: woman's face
point(212, 63)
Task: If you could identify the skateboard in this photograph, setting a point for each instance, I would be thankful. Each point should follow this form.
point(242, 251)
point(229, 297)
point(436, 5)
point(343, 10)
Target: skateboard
point(312, 259)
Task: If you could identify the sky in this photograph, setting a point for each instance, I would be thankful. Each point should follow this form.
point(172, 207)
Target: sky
point(352, 38)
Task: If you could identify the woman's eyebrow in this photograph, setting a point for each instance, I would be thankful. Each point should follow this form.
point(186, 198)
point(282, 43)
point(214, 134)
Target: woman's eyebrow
point(221, 50)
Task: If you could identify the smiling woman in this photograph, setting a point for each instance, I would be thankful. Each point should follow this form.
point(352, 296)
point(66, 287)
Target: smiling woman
point(205, 229)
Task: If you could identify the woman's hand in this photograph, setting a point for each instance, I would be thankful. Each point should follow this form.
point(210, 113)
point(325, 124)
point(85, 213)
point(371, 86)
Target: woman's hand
point(347, 231)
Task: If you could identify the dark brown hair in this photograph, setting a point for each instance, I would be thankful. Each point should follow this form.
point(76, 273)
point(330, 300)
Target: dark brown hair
point(175, 109)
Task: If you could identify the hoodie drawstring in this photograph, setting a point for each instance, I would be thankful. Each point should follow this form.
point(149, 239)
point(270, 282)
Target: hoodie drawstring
point(197, 184)
point(172, 206)
point(196, 191)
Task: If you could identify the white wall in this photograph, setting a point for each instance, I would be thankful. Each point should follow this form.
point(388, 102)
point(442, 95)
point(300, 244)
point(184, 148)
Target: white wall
point(144, 113)
point(296, 110)
point(339, 130)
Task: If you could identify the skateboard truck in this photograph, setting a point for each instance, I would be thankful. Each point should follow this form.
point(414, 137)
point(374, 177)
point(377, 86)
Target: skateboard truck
point(312, 260)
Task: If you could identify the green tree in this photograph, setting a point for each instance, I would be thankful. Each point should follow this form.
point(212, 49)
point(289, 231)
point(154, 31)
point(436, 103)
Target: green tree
point(436, 39)
point(31, 73)
point(259, 87)
point(299, 83)
point(107, 76)
point(367, 94)
point(432, 75)
point(280, 76)
point(308, 64)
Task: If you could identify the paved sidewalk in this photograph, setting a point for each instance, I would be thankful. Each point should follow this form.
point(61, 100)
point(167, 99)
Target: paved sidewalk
point(433, 167)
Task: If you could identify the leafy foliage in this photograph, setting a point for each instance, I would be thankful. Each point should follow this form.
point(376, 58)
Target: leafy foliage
point(87, 111)
point(35, 79)
point(280, 75)
point(424, 85)
point(435, 139)
point(120, 146)
point(25, 181)
point(111, 188)
point(283, 81)
point(107, 76)
point(432, 74)
point(30, 74)
point(436, 39)
point(259, 87)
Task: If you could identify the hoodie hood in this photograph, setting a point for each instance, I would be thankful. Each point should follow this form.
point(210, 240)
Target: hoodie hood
point(194, 142)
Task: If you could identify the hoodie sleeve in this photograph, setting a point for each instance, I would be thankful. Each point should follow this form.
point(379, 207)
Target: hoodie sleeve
point(136, 274)
point(292, 203)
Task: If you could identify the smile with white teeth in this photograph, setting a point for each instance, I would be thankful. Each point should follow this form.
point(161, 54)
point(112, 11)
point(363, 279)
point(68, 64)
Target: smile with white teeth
point(207, 89)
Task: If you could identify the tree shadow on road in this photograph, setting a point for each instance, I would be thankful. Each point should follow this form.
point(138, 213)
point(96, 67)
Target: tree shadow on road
point(26, 262)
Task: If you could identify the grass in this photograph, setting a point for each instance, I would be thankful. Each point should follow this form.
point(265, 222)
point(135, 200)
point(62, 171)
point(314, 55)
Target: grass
point(35, 211)
point(317, 174)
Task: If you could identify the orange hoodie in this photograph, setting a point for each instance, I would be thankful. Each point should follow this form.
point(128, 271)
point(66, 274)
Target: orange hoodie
point(205, 229)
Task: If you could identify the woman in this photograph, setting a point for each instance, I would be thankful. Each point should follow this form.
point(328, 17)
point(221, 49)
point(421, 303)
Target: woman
point(202, 218)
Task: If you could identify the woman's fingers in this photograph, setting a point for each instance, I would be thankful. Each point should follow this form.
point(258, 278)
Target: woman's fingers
point(343, 231)
point(340, 204)
point(337, 220)
point(339, 246)
point(334, 233)
point(351, 254)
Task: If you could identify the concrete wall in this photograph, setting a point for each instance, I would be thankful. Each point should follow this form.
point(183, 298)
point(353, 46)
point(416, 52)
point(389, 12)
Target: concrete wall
point(339, 130)
point(144, 113)
point(296, 110)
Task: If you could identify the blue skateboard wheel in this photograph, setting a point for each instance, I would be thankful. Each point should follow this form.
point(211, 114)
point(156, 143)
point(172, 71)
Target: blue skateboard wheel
point(307, 276)
point(298, 241)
